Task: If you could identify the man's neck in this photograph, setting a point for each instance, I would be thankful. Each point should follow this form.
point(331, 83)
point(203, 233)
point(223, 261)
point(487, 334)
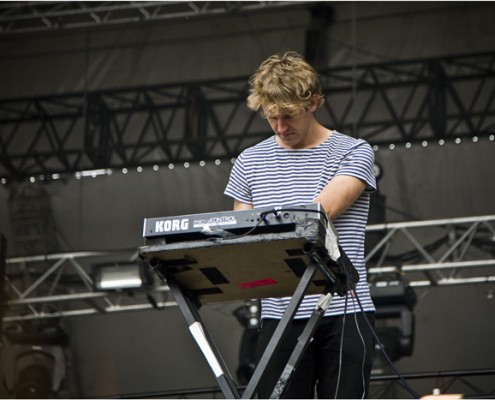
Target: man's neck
point(317, 134)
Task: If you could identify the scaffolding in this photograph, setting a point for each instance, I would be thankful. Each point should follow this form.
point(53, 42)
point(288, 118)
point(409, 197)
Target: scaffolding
point(32, 16)
point(457, 251)
point(405, 102)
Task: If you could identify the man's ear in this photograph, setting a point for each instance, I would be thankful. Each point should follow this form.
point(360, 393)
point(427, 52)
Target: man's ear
point(315, 101)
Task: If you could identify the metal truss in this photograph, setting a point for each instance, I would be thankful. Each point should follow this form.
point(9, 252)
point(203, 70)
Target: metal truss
point(434, 253)
point(415, 100)
point(458, 251)
point(381, 387)
point(62, 285)
point(207, 120)
point(403, 102)
point(458, 381)
point(34, 16)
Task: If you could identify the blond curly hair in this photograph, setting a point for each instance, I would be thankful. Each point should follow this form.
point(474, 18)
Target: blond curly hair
point(284, 82)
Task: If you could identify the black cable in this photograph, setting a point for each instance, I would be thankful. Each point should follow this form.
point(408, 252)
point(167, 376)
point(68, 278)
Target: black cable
point(341, 347)
point(263, 215)
point(351, 286)
point(405, 385)
point(349, 282)
point(236, 236)
point(289, 209)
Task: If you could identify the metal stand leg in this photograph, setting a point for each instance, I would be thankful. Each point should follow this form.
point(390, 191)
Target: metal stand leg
point(205, 343)
point(280, 331)
point(302, 344)
point(213, 357)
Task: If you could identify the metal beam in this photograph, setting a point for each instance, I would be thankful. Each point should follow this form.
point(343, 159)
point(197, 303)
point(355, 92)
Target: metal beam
point(444, 251)
point(60, 285)
point(34, 16)
point(199, 121)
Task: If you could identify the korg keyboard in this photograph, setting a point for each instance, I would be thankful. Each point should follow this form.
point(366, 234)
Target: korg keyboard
point(231, 223)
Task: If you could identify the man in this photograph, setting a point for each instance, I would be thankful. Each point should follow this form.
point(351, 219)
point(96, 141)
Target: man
point(306, 162)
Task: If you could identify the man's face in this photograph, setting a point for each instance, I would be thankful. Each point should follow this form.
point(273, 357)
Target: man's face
point(291, 130)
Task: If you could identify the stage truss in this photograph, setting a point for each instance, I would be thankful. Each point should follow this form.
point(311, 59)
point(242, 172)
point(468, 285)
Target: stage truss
point(458, 251)
point(406, 102)
point(46, 16)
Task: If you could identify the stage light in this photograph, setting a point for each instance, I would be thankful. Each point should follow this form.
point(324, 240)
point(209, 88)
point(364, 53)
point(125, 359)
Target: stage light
point(33, 360)
point(394, 301)
point(249, 317)
point(121, 276)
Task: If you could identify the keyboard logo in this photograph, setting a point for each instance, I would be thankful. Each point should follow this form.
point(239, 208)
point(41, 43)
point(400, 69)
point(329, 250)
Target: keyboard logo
point(172, 225)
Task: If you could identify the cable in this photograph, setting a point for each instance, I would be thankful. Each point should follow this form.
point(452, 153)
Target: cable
point(351, 285)
point(264, 214)
point(353, 289)
point(251, 230)
point(405, 385)
point(364, 347)
point(341, 350)
point(289, 209)
point(236, 236)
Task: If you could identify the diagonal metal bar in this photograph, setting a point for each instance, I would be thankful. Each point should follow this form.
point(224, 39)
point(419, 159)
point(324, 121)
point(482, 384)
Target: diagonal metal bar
point(425, 254)
point(18, 293)
point(110, 140)
point(390, 108)
point(386, 239)
point(35, 16)
point(42, 278)
point(82, 273)
point(469, 232)
point(479, 266)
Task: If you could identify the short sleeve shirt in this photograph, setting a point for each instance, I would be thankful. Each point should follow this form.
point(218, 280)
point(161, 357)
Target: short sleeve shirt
point(268, 175)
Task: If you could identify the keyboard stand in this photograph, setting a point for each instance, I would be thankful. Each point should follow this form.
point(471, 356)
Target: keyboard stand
point(278, 337)
point(200, 334)
point(188, 306)
point(294, 263)
point(302, 344)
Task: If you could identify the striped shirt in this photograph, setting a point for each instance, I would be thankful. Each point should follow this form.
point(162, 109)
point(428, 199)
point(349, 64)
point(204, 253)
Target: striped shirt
point(268, 175)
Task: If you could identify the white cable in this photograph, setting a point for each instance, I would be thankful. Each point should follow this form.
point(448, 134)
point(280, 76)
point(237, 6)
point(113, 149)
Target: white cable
point(341, 346)
point(364, 347)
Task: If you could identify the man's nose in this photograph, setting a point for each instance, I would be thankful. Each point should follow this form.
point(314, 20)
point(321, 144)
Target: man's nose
point(281, 125)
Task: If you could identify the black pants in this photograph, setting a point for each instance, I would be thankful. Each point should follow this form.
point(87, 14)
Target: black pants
point(319, 366)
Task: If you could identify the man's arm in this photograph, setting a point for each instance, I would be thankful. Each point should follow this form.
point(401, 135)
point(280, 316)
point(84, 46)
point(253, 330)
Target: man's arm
point(339, 194)
point(242, 206)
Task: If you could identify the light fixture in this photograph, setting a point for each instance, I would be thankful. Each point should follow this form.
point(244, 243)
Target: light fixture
point(394, 301)
point(249, 317)
point(33, 360)
point(121, 276)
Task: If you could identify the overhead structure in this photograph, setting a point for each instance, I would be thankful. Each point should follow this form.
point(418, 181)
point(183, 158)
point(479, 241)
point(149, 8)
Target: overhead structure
point(433, 253)
point(459, 251)
point(63, 285)
point(408, 102)
point(34, 16)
